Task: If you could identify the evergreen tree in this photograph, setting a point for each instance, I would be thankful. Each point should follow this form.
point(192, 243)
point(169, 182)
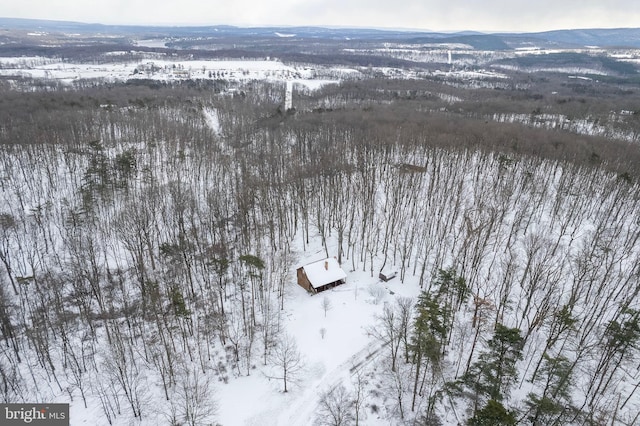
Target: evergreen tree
point(553, 405)
point(429, 334)
point(492, 414)
point(495, 370)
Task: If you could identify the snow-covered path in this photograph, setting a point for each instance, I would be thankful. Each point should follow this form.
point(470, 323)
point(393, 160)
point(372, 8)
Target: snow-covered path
point(303, 411)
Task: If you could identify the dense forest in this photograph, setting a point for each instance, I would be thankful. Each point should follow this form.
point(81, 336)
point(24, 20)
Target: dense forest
point(147, 241)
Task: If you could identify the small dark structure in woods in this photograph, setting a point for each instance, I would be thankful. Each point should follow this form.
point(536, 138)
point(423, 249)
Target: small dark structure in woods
point(387, 275)
point(321, 275)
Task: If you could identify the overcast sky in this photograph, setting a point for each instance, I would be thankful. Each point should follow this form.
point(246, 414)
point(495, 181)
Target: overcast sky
point(437, 15)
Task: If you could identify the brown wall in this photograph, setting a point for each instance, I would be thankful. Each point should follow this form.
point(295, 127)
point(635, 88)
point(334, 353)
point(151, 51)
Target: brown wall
point(303, 281)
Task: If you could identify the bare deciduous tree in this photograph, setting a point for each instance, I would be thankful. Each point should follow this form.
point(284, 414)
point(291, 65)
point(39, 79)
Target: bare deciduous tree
point(195, 398)
point(335, 407)
point(286, 358)
point(326, 305)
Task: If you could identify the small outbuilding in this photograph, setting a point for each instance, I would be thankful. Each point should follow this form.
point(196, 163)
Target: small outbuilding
point(321, 275)
point(387, 275)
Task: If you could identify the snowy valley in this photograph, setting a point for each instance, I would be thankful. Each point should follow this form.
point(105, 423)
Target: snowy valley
point(157, 199)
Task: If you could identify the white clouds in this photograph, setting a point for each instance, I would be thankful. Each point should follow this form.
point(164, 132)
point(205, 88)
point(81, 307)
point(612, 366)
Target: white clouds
point(482, 15)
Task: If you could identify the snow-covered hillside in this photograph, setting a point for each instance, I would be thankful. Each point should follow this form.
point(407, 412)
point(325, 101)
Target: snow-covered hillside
point(162, 241)
point(155, 208)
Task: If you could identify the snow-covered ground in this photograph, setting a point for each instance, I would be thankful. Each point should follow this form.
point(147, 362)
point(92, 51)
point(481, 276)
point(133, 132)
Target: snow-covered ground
point(332, 329)
point(162, 70)
point(583, 126)
point(333, 347)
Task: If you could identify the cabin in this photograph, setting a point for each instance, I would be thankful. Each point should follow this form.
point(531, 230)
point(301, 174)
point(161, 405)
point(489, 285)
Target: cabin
point(321, 275)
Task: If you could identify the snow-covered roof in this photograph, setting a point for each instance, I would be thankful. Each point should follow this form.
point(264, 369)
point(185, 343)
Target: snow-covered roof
point(324, 272)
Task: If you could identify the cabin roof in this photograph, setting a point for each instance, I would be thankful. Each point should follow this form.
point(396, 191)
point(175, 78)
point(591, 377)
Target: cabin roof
point(319, 275)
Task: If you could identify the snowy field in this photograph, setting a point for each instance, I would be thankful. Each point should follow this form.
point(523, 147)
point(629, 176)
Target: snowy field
point(162, 70)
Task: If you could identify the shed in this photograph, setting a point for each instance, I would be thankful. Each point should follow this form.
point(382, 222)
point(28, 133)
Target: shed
point(387, 275)
point(321, 275)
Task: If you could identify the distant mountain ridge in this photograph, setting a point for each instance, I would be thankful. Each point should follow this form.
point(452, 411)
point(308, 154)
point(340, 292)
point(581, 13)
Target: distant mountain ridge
point(615, 37)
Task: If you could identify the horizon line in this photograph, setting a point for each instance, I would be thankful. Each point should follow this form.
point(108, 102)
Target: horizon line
point(334, 27)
